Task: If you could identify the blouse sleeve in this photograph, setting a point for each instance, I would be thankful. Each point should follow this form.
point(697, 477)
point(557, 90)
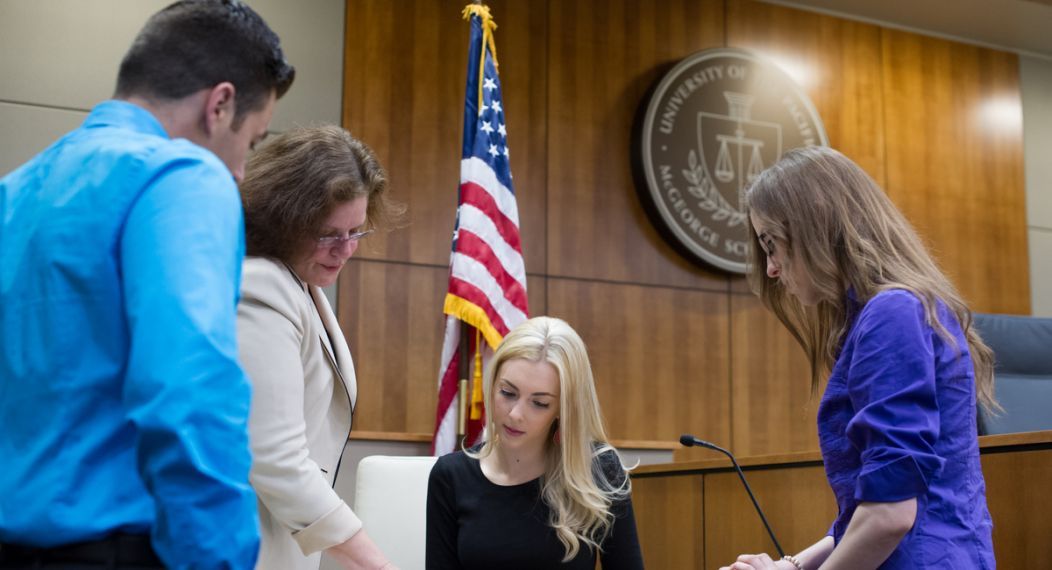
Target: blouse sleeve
point(621, 549)
point(442, 525)
point(891, 383)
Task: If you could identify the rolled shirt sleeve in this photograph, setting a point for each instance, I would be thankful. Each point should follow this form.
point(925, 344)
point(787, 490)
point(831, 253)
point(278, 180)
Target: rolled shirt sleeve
point(892, 388)
point(180, 260)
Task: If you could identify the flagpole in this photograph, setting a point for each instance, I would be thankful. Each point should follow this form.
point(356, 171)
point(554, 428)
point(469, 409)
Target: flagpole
point(462, 384)
point(464, 364)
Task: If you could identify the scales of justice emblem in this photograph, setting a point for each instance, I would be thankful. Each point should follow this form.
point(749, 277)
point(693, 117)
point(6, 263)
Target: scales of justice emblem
point(738, 148)
point(711, 125)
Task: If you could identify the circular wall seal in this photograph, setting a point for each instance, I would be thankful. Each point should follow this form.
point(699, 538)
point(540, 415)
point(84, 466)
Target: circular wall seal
point(714, 122)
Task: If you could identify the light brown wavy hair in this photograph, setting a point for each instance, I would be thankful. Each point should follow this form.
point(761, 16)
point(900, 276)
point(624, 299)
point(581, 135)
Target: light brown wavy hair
point(295, 181)
point(834, 220)
point(578, 492)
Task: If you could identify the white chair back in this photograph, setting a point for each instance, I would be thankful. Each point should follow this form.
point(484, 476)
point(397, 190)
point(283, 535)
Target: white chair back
point(391, 499)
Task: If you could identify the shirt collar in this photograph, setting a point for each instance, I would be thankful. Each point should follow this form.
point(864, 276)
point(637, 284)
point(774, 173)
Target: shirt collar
point(124, 114)
point(852, 306)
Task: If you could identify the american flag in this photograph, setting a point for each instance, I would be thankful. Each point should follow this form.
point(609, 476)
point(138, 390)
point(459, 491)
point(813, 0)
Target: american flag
point(487, 277)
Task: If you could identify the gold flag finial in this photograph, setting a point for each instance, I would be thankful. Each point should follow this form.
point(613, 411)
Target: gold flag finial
point(488, 25)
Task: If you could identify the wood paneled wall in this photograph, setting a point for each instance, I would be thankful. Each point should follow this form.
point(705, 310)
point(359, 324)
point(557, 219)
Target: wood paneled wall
point(676, 347)
point(955, 162)
point(670, 518)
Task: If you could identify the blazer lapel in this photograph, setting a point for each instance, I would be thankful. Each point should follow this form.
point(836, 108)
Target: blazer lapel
point(339, 356)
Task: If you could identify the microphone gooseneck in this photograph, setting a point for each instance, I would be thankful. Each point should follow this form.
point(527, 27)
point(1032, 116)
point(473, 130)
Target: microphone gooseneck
point(688, 440)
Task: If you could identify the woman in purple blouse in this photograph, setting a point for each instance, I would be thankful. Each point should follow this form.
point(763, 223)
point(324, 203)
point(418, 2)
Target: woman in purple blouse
point(850, 278)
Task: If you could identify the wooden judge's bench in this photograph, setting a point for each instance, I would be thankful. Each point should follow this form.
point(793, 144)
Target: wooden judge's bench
point(696, 514)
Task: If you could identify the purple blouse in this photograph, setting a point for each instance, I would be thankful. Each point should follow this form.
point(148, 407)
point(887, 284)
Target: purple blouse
point(897, 421)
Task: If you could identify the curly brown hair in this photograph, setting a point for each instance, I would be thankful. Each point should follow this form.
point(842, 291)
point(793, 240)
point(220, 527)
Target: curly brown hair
point(294, 182)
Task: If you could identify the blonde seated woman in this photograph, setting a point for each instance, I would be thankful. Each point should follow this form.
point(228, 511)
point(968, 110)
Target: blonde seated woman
point(545, 489)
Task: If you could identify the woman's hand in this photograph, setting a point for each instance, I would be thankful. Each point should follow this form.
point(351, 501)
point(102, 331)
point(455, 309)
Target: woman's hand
point(360, 553)
point(759, 562)
point(812, 557)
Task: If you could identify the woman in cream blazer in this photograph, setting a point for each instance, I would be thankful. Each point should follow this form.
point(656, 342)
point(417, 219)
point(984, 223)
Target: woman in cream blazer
point(309, 196)
point(303, 392)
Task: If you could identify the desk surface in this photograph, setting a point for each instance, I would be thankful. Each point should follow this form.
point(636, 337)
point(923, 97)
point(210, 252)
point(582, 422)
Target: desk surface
point(987, 444)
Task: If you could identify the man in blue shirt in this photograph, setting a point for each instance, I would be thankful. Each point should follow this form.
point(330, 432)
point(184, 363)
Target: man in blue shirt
point(124, 407)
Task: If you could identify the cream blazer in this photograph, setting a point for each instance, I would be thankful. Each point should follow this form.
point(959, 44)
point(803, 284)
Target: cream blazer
point(303, 393)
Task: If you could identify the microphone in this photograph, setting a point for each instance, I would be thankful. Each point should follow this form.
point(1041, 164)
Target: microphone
point(690, 441)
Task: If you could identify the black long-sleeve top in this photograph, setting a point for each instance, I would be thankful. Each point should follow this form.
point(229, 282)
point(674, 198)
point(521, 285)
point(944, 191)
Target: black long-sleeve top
point(473, 523)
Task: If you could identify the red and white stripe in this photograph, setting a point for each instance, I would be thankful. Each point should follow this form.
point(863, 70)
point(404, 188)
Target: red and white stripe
point(487, 270)
point(445, 440)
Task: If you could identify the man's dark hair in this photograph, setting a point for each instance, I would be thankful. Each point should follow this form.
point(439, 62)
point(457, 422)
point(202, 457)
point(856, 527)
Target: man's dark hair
point(197, 44)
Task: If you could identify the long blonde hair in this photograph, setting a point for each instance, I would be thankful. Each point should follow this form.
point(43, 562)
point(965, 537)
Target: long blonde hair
point(840, 226)
point(578, 492)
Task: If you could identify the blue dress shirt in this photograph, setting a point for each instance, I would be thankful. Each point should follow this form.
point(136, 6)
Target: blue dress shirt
point(898, 421)
point(123, 404)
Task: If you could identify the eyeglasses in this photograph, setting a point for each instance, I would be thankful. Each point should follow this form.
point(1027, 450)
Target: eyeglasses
point(767, 244)
point(333, 241)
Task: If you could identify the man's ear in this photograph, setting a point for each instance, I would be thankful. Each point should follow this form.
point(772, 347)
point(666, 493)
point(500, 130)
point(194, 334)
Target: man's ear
point(219, 107)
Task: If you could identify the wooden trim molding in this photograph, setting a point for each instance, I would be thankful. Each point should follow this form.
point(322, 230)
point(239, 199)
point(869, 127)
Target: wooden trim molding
point(390, 436)
point(358, 435)
point(987, 443)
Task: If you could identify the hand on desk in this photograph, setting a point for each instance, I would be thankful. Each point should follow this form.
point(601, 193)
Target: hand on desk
point(360, 553)
point(759, 562)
